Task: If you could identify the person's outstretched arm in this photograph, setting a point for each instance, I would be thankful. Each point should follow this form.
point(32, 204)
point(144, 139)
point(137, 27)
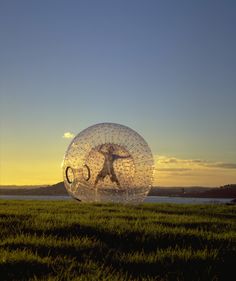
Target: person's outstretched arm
point(122, 157)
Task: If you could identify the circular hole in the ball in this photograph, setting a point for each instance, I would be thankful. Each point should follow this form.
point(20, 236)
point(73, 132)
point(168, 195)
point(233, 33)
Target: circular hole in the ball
point(86, 172)
point(69, 175)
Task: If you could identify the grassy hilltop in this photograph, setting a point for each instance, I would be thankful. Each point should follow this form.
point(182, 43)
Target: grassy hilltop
point(66, 240)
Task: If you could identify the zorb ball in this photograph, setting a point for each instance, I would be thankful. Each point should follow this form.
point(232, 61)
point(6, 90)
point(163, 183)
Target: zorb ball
point(108, 163)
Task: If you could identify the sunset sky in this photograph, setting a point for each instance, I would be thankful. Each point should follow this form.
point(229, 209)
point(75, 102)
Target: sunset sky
point(167, 69)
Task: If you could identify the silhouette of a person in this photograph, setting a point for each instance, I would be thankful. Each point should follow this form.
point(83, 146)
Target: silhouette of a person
point(108, 168)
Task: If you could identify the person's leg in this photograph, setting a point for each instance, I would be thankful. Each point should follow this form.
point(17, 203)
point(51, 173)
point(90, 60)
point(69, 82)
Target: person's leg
point(101, 175)
point(114, 178)
point(96, 181)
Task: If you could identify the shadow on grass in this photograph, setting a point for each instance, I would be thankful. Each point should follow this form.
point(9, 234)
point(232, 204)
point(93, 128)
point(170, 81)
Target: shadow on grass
point(178, 269)
point(170, 268)
point(22, 270)
point(127, 241)
point(53, 251)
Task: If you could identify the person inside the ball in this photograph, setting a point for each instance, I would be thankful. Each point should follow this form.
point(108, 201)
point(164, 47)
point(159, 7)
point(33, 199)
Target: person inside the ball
point(108, 166)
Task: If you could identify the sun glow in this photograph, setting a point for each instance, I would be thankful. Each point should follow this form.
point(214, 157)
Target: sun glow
point(169, 171)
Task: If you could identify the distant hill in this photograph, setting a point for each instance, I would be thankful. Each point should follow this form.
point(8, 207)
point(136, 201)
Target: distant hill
point(56, 189)
point(227, 191)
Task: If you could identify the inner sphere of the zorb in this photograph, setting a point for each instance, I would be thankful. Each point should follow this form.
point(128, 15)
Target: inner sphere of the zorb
point(108, 163)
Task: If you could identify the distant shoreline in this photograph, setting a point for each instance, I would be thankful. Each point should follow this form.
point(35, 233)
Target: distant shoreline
point(227, 191)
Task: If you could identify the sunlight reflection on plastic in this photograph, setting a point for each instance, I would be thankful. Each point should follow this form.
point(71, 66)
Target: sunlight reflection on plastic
point(108, 163)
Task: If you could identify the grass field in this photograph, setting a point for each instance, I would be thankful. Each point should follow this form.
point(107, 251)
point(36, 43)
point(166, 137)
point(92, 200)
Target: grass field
point(66, 240)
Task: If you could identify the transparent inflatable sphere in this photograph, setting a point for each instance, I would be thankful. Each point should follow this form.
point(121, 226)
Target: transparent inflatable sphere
point(108, 162)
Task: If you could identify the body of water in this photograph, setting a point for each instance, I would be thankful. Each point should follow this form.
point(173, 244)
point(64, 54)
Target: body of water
point(148, 199)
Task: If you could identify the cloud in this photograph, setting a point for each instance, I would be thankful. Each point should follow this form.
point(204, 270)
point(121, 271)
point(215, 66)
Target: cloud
point(173, 169)
point(166, 160)
point(173, 160)
point(222, 165)
point(172, 163)
point(68, 135)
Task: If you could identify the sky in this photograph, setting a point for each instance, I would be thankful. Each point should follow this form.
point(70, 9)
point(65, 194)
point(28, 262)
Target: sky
point(165, 68)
